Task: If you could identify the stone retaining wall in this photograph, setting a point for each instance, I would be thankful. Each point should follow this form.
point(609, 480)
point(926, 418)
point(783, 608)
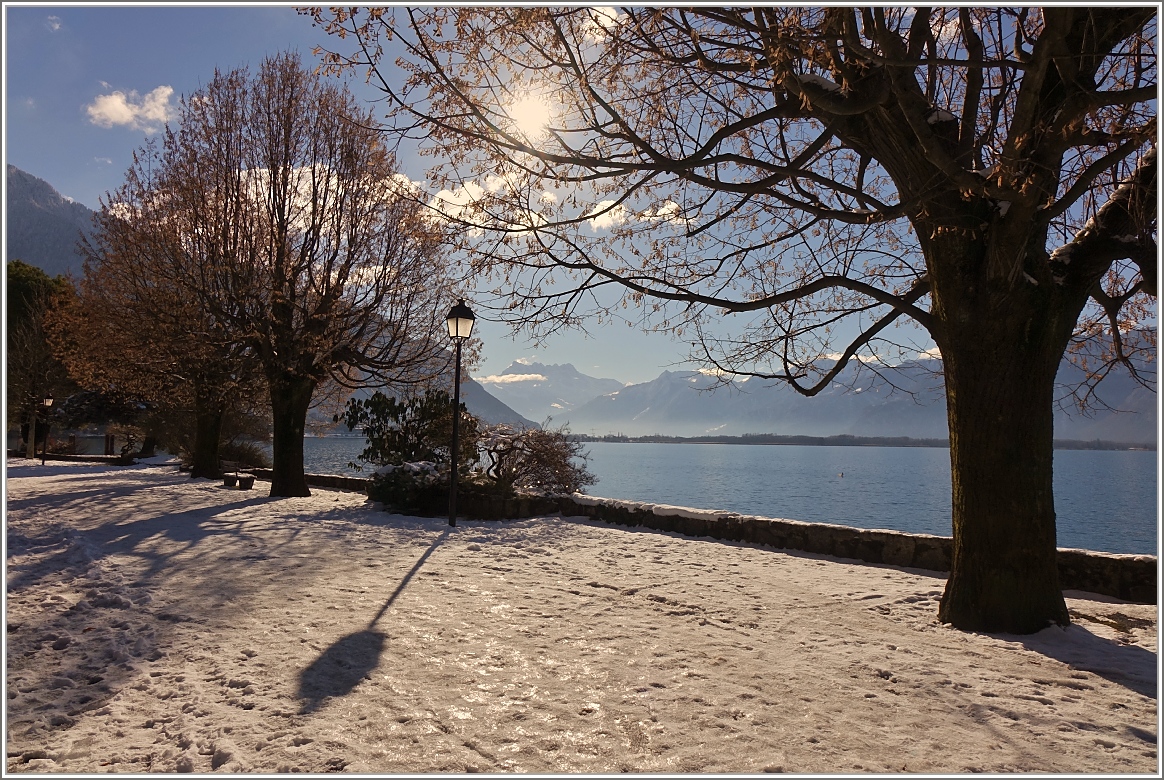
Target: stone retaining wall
point(1127, 577)
point(333, 481)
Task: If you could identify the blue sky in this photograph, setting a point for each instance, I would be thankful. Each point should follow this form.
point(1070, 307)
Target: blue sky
point(85, 86)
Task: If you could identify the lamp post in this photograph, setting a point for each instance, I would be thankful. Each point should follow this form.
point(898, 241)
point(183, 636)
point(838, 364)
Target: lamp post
point(460, 322)
point(47, 403)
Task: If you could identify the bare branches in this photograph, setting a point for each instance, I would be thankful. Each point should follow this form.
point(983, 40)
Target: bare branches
point(1124, 227)
point(295, 235)
point(1086, 179)
point(810, 162)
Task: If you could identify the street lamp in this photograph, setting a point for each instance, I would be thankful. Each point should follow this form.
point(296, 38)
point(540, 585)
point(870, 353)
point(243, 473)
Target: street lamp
point(47, 403)
point(460, 322)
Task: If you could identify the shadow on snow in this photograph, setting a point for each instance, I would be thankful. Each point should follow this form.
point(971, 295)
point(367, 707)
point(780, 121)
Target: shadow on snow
point(353, 657)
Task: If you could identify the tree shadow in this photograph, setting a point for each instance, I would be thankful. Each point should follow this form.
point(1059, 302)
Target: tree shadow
point(351, 658)
point(1128, 665)
point(188, 528)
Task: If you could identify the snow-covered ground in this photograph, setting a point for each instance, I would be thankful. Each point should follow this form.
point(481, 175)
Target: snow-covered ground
point(159, 624)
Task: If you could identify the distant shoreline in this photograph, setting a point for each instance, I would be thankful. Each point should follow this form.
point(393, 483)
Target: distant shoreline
point(842, 440)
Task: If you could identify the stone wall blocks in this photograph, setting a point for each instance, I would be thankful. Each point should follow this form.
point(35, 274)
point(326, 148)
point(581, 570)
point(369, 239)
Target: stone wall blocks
point(1127, 577)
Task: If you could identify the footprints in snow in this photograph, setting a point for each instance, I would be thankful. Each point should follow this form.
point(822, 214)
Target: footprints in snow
point(915, 605)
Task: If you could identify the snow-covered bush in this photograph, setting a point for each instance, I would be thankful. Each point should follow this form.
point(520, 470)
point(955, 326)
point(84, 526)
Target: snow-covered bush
point(408, 445)
point(409, 442)
point(543, 460)
point(421, 487)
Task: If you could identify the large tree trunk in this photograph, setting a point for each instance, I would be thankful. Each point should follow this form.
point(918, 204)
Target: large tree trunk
point(149, 447)
point(1001, 347)
point(290, 399)
point(208, 415)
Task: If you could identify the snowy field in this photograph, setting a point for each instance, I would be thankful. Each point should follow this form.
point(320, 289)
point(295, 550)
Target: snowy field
point(160, 624)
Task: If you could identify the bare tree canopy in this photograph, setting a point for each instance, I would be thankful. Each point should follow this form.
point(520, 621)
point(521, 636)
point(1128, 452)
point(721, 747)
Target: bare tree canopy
point(988, 173)
point(134, 333)
point(278, 227)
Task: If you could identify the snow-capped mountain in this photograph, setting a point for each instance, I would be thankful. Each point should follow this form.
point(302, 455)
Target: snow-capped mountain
point(42, 226)
point(689, 403)
point(905, 401)
point(540, 391)
point(480, 403)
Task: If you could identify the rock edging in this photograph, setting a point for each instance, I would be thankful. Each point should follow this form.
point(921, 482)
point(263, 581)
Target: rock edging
point(1128, 577)
point(333, 481)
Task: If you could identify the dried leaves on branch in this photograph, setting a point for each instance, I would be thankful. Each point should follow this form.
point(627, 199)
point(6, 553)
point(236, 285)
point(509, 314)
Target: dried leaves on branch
point(793, 163)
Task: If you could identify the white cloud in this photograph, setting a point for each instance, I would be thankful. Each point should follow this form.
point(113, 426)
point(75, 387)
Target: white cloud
point(456, 204)
point(467, 203)
point(103, 160)
point(53, 23)
point(668, 212)
point(146, 113)
point(609, 215)
point(402, 186)
point(499, 183)
point(930, 354)
point(509, 379)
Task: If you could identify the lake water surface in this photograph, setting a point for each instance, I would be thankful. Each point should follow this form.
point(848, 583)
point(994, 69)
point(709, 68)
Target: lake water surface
point(1105, 500)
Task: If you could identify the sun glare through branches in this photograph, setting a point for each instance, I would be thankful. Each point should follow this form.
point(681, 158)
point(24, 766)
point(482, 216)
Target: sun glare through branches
point(531, 116)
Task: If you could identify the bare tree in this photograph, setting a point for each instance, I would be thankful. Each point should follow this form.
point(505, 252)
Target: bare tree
point(988, 173)
point(295, 237)
point(132, 332)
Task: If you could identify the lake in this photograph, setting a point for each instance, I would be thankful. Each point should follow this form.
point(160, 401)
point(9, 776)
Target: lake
point(1105, 499)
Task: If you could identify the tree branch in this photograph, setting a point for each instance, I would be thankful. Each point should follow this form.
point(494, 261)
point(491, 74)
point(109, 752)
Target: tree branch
point(1122, 228)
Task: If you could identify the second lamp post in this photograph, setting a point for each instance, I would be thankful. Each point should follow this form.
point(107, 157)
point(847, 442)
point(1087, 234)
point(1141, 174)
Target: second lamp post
point(460, 321)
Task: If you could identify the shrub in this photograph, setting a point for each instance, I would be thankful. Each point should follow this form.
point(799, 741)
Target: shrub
point(418, 488)
point(408, 444)
point(536, 460)
point(413, 430)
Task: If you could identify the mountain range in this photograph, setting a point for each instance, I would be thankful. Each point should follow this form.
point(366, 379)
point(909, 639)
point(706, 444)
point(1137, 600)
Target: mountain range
point(43, 229)
point(540, 391)
point(907, 400)
point(488, 408)
point(42, 226)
